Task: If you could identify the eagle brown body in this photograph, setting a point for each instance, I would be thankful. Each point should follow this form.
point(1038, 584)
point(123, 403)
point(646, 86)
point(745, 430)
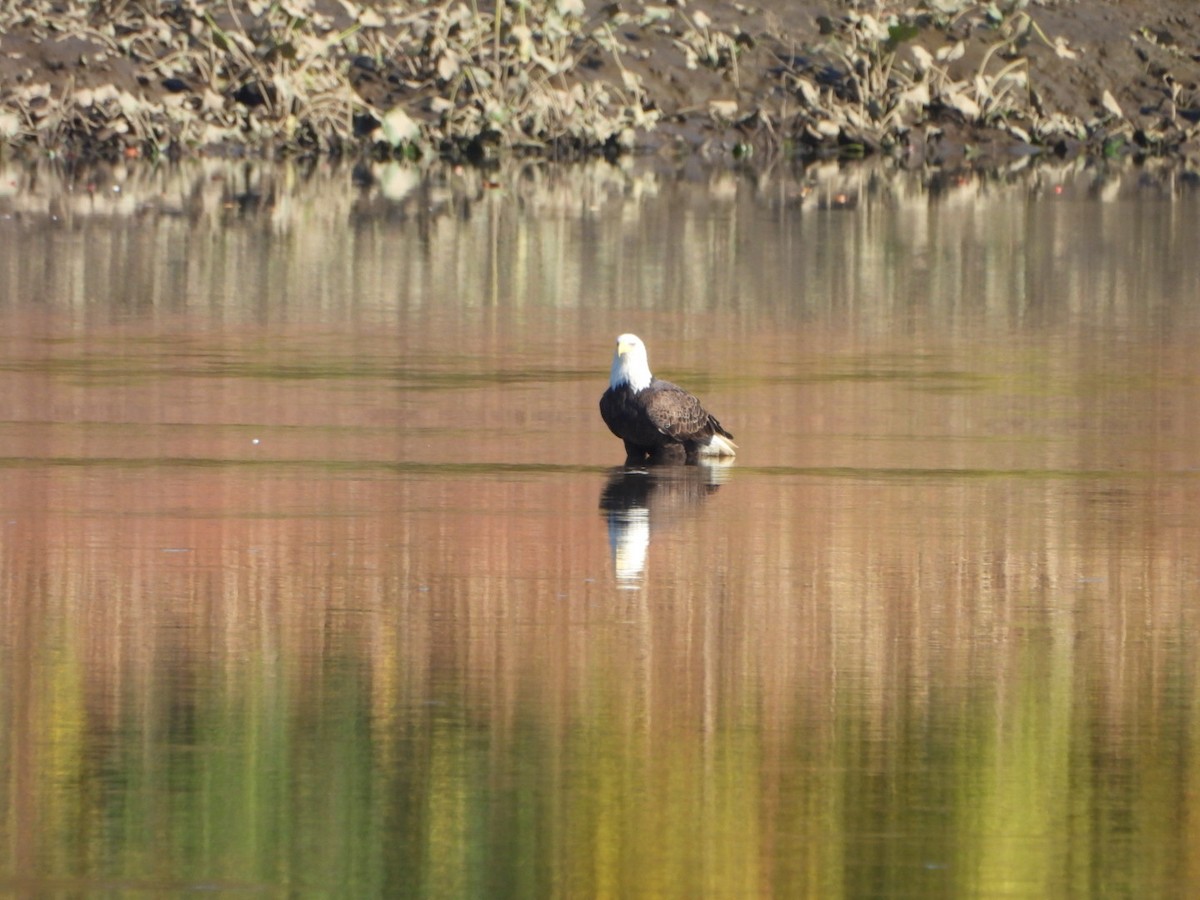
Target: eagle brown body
point(658, 421)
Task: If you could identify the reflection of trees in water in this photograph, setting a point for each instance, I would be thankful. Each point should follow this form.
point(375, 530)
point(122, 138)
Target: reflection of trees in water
point(637, 501)
point(406, 239)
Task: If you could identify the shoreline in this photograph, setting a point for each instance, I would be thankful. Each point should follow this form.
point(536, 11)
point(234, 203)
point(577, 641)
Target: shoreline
point(947, 83)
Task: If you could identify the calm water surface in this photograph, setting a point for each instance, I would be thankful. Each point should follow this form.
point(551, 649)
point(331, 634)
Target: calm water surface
point(318, 574)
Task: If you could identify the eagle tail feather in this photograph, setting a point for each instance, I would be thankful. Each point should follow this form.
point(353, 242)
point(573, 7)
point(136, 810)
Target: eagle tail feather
point(719, 445)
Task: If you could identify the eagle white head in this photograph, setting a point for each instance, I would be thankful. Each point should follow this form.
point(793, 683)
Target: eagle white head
point(630, 364)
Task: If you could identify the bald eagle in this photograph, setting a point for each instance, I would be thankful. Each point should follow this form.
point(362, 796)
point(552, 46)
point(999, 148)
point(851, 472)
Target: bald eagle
point(657, 420)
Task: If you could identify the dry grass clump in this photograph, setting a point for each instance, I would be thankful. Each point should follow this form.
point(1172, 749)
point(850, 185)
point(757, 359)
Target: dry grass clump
point(306, 75)
point(896, 80)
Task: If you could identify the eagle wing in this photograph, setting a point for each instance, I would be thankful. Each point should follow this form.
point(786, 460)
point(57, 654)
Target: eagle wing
point(678, 414)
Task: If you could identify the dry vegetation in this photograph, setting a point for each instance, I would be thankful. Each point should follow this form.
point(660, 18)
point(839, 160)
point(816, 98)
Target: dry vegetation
point(925, 80)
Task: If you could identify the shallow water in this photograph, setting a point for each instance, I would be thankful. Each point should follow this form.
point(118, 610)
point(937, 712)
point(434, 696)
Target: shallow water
point(320, 573)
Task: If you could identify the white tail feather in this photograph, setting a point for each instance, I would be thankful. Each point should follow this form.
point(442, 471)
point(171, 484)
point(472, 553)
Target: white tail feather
point(719, 446)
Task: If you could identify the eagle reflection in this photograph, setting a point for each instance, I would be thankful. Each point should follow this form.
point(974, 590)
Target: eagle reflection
point(637, 501)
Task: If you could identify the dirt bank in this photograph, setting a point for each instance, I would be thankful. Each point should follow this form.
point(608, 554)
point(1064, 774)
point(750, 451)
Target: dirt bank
point(933, 82)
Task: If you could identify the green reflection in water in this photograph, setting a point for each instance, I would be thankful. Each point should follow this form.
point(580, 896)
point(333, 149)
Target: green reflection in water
point(230, 781)
point(338, 772)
